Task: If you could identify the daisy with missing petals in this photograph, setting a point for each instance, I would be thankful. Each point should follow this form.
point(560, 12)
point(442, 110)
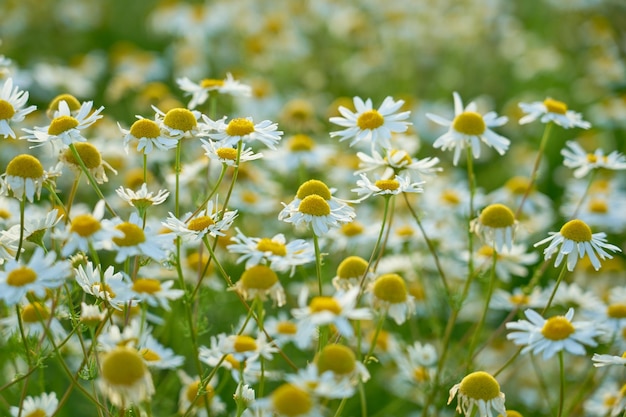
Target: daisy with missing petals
point(40, 273)
point(137, 240)
point(148, 135)
point(390, 296)
point(468, 129)
point(242, 129)
point(315, 187)
point(369, 124)
point(142, 199)
point(24, 177)
point(350, 272)
point(288, 400)
point(12, 110)
point(478, 390)
point(496, 225)
point(275, 251)
point(551, 110)
point(583, 162)
point(178, 122)
point(399, 184)
point(260, 281)
point(209, 221)
point(553, 335)
point(200, 91)
point(228, 155)
point(90, 157)
point(398, 161)
point(43, 405)
point(66, 127)
point(574, 240)
point(606, 360)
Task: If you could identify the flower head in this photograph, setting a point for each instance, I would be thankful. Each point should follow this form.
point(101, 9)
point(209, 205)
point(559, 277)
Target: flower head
point(551, 110)
point(25, 176)
point(261, 281)
point(390, 294)
point(148, 134)
point(208, 221)
point(386, 187)
point(200, 91)
point(583, 162)
point(468, 129)
point(12, 110)
point(496, 225)
point(90, 157)
point(43, 405)
point(481, 390)
point(142, 199)
point(242, 129)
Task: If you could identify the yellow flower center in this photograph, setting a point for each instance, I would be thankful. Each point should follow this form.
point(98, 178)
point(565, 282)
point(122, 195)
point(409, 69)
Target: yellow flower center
point(450, 197)
point(123, 366)
point(592, 158)
point(405, 231)
point(233, 362)
point(513, 413)
point(259, 277)
point(147, 285)
point(5, 214)
point(244, 344)
point(314, 205)
point(227, 153)
point(34, 312)
point(239, 127)
point(133, 235)
point(616, 311)
point(25, 166)
point(6, 110)
point(390, 288)
point(71, 101)
point(339, 359)
point(320, 303)
point(517, 185)
point(149, 355)
point(555, 106)
point(97, 287)
point(193, 392)
point(88, 154)
point(62, 124)
point(313, 187)
point(469, 123)
point(352, 229)
point(557, 328)
point(211, 83)
point(388, 185)
point(269, 245)
point(370, 119)
point(576, 230)
point(609, 400)
point(597, 205)
point(352, 267)
point(37, 413)
point(291, 401)
point(420, 374)
point(417, 291)
point(486, 251)
point(85, 225)
point(286, 327)
point(200, 223)
point(145, 128)
point(497, 216)
point(180, 119)
point(480, 386)
point(404, 160)
point(519, 299)
point(21, 276)
point(249, 197)
point(197, 261)
point(301, 143)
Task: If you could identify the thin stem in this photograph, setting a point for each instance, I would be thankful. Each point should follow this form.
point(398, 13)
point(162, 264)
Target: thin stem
point(584, 196)
point(177, 169)
point(72, 195)
point(379, 327)
point(211, 194)
point(21, 241)
point(318, 263)
point(90, 178)
point(561, 384)
point(556, 286)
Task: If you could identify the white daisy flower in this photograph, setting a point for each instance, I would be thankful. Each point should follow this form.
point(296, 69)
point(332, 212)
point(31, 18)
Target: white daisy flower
point(574, 240)
point(478, 390)
point(31, 315)
point(66, 127)
point(496, 226)
point(24, 177)
point(200, 91)
point(386, 187)
point(369, 124)
point(314, 211)
point(350, 272)
point(137, 240)
point(511, 262)
point(242, 129)
point(516, 299)
point(390, 295)
point(142, 199)
point(260, 281)
point(158, 356)
point(228, 155)
point(210, 221)
point(246, 348)
point(109, 285)
point(178, 122)
point(40, 273)
point(196, 396)
point(90, 157)
point(398, 161)
point(44, 405)
point(606, 360)
point(275, 251)
point(283, 330)
point(148, 135)
point(468, 129)
point(583, 162)
point(288, 400)
point(91, 315)
point(12, 110)
point(322, 384)
point(551, 110)
point(155, 292)
point(553, 335)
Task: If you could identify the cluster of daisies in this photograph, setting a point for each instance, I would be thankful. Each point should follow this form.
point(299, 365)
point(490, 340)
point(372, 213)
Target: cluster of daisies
point(287, 295)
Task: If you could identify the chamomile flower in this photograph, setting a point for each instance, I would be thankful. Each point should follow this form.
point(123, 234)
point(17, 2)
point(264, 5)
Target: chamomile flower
point(242, 129)
point(468, 129)
point(246, 348)
point(322, 384)
point(390, 295)
point(551, 110)
point(283, 330)
point(155, 292)
point(178, 122)
point(350, 272)
point(228, 155)
point(553, 335)
point(341, 361)
point(386, 187)
point(200, 91)
point(196, 395)
point(511, 262)
point(66, 127)
point(12, 110)
point(44, 405)
point(516, 299)
point(288, 400)
point(24, 177)
point(91, 315)
point(260, 281)
point(583, 162)
point(137, 240)
point(275, 251)
point(148, 135)
point(40, 273)
point(193, 228)
point(496, 226)
point(109, 285)
point(158, 356)
point(142, 199)
point(369, 124)
point(398, 161)
point(606, 360)
point(37, 319)
point(91, 158)
point(574, 240)
point(478, 390)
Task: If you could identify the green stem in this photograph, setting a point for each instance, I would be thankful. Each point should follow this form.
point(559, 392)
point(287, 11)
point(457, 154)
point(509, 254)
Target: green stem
point(561, 384)
point(556, 286)
point(91, 179)
point(21, 241)
point(318, 263)
point(379, 327)
point(582, 198)
point(211, 194)
point(177, 169)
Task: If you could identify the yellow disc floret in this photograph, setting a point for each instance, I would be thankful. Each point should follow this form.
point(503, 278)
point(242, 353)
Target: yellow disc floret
point(352, 229)
point(314, 205)
point(480, 386)
point(200, 223)
point(244, 343)
point(199, 399)
point(497, 216)
point(123, 366)
point(576, 230)
point(259, 277)
point(133, 235)
point(597, 205)
point(147, 285)
point(85, 225)
point(211, 83)
point(390, 288)
point(149, 355)
point(557, 328)
point(72, 103)
point(88, 153)
point(239, 127)
point(62, 124)
point(387, 185)
point(370, 119)
point(469, 123)
point(25, 166)
point(286, 327)
point(337, 358)
point(180, 119)
point(21, 276)
point(6, 110)
point(34, 312)
point(517, 185)
point(269, 245)
point(291, 401)
point(145, 128)
point(352, 267)
point(321, 303)
point(227, 153)
point(616, 310)
point(313, 187)
point(555, 106)
point(300, 143)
